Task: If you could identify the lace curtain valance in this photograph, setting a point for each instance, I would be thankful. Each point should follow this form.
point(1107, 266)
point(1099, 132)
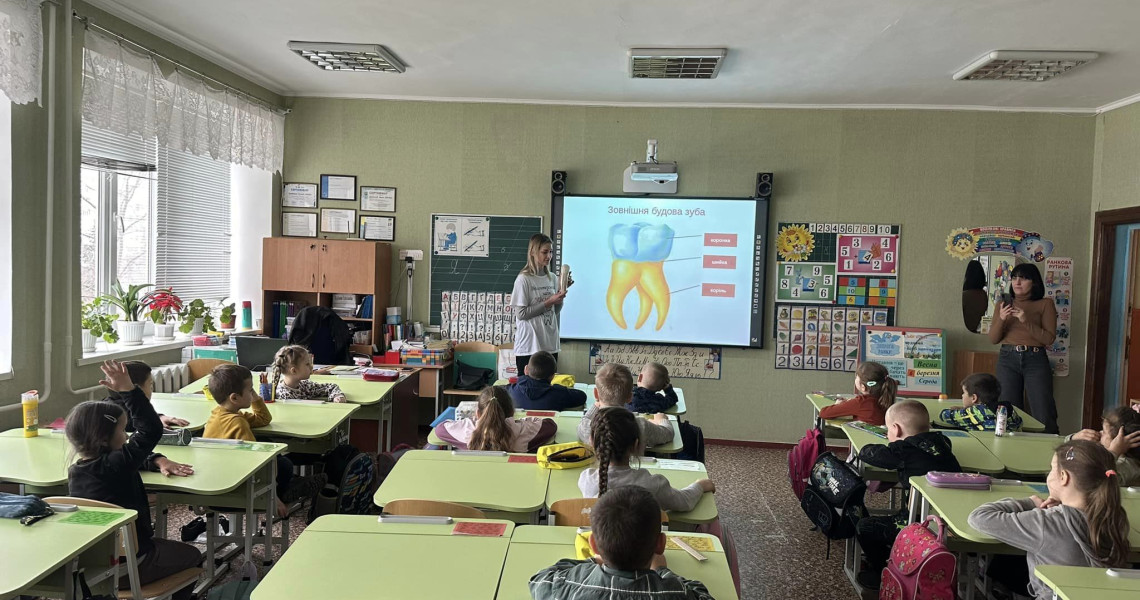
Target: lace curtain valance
point(21, 50)
point(124, 91)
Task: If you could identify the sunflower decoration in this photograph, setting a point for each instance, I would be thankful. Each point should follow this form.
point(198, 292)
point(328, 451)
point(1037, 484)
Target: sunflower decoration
point(795, 243)
point(961, 243)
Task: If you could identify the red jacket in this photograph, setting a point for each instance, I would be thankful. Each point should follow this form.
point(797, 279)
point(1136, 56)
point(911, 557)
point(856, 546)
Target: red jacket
point(862, 408)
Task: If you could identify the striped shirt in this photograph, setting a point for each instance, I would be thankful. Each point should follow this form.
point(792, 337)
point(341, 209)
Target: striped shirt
point(587, 580)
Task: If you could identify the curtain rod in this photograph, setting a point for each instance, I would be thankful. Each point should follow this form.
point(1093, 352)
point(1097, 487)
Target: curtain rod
point(88, 23)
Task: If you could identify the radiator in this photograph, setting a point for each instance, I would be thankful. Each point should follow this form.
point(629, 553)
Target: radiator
point(170, 378)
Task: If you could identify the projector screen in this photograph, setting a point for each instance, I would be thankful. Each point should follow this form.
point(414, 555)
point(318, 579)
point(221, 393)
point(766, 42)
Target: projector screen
point(663, 270)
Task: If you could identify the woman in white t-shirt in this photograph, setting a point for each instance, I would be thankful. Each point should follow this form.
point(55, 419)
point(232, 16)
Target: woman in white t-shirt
point(537, 303)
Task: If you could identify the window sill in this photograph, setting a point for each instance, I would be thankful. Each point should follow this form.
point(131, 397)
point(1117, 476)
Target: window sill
point(104, 351)
point(7, 375)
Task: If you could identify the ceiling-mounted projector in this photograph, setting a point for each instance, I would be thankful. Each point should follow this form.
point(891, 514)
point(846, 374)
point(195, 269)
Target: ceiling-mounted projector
point(650, 177)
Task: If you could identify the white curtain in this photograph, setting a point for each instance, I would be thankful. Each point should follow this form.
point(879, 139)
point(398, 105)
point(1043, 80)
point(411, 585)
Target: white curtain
point(124, 91)
point(21, 49)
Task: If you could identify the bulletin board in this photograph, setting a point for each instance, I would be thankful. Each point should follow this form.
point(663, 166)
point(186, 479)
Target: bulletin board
point(914, 356)
point(683, 362)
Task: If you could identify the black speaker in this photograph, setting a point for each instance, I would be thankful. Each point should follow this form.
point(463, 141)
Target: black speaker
point(558, 182)
point(764, 186)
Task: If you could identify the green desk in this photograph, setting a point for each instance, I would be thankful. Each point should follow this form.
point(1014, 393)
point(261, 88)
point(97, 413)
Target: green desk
point(356, 390)
point(353, 557)
point(1026, 454)
point(193, 407)
point(971, 454)
point(1094, 583)
point(535, 548)
point(936, 406)
point(515, 490)
point(48, 552)
point(564, 484)
point(567, 422)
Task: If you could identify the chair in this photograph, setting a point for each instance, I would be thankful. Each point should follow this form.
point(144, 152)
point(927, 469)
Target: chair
point(432, 508)
point(575, 512)
point(475, 354)
point(324, 333)
point(201, 367)
point(161, 588)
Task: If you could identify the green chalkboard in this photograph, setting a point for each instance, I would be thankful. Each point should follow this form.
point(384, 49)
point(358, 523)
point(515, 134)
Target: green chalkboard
point(506, 246)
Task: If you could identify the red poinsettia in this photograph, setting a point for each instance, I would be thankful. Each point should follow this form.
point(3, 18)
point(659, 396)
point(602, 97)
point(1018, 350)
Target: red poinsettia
point(164, 304)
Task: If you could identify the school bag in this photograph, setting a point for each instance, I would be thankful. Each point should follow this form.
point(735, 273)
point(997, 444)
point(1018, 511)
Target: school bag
point(833, 499)
point(920, 566)
point(692, 442)
point(354, 475)
point(802, 457)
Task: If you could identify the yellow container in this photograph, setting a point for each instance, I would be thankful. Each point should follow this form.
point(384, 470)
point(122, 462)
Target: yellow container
point(30, 401)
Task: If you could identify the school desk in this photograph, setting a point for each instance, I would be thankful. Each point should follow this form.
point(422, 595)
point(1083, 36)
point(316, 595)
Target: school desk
point(534, 548)
point(192, 407)
point(972, 455)
point(354, 557)
point(936, 406)
point(41, 558)
point(567, 422)
point(1021, 453)
point(677, 409)
point(514, 490)
point(564, 484)
point(1094, 583)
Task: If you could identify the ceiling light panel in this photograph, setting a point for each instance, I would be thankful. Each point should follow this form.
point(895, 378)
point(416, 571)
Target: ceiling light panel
point(329, 56)
point(675, 63)
point(1023, 65)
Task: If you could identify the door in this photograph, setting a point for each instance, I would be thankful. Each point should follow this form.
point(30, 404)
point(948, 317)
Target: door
point(1131, 369)
point(289, 264)
point(347, 267)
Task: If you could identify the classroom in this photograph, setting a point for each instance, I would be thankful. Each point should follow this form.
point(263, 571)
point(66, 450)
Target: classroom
point(755, 225)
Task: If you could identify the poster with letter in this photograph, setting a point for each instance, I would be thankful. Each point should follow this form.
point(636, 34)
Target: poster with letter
point(1059, 288)
point(914, 356)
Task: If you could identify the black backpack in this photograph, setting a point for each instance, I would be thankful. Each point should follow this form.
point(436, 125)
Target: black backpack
point(693, 442)
point(324, 333)
point(833, 499)
point(469, 377)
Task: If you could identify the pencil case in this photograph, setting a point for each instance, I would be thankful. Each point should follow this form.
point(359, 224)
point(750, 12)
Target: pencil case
point(961, 481)
point(381, 375)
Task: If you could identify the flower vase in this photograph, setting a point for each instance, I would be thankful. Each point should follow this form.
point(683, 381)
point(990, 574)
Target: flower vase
point(163, 332)
point(131, 332)
point(88, 341)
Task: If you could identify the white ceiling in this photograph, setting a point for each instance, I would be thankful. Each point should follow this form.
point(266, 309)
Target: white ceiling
point(780, 52)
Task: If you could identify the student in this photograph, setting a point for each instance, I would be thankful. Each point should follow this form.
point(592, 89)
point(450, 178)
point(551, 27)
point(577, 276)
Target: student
point(232, 388)
point(981, 399)
point(654, 392)
point(140, 375)
point(874, 392)
point(629, 557)
point(616, 440)
point(1119, 434)
point(292, 366)
point(495, 428)
point(912, 450)
point(534, 390)
point(108, 470)
point(614, 387)
point(1080, 524)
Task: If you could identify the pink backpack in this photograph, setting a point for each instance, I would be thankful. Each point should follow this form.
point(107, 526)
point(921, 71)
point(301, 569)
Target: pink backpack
point(802, 458)
point(920, 568)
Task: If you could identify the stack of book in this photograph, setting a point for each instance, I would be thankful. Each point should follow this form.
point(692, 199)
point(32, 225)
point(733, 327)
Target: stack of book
point(344, 305)
point(281, 317)
point(364, 311)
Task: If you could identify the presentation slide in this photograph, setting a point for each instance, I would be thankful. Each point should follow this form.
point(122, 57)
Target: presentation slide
point(663, 270)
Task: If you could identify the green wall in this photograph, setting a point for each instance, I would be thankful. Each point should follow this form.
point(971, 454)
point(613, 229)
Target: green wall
point(1116, 181)
point(928, 170)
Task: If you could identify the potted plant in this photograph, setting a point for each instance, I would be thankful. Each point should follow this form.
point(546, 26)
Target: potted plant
point(164, 306)
point(96, 324)
point(228, 319)
point(131, 302)
point(196, 317)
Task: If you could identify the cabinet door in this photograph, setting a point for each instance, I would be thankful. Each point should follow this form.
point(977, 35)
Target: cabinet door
point(289, 264)
point(347, 267)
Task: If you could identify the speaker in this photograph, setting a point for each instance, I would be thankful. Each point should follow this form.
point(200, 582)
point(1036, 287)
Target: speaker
point(764, 186)
point(558, 182)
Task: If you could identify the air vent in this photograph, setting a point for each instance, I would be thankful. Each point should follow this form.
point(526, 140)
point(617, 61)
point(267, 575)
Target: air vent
point(1023, 65)
point(675, 63)
point(348, 57)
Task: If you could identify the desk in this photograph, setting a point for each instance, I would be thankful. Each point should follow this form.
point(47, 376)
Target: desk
point(192, 407)
point(534, 548)
point(1094, 583)
point(971, 454)
point(51, 550)
point(564, 484)
point(433, 379)
point(515, 490)
point(677, 409)
point(353, 557)
point(936, 406)
point(1030, 454)
point(567, 422)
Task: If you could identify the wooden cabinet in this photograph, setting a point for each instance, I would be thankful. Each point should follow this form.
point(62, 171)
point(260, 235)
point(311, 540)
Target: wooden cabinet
point(289, 264)
point(348, 267)
point(967, 362)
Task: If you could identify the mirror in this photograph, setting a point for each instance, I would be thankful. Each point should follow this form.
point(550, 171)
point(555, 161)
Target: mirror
point(986, 279)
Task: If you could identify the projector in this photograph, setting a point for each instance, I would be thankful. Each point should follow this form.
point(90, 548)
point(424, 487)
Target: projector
point(650, 178)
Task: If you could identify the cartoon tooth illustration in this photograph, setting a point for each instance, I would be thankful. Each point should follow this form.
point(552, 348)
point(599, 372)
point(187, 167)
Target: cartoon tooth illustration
point(639, 252)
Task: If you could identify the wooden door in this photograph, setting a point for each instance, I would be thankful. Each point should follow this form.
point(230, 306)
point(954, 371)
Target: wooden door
point(347, 267)
point(289, 264)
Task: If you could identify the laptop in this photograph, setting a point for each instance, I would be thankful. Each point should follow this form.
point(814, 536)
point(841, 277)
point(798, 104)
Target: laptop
point(257, 351)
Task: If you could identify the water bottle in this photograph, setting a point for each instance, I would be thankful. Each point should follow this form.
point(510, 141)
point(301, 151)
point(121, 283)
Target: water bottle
point(30, 403)
point(999, 427)
point(246, 314)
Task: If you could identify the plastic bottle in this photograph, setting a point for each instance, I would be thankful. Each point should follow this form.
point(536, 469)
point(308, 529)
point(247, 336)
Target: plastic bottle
point(1002, 417)
point(30, 401)
point(246, 314)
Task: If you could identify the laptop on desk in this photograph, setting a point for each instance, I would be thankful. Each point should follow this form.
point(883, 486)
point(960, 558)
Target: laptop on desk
point(257, 351)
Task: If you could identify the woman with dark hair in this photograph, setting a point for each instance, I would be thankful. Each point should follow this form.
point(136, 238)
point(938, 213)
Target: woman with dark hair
point(1025, 324)
point(975, 300)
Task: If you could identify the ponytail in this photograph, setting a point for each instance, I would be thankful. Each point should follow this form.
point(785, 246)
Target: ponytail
point(1091, 467)
point(491, 429)
point(614, 434)
point(879, 383)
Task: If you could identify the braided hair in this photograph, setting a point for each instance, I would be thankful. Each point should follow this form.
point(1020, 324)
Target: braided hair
point(286, 358)
point(615, 436)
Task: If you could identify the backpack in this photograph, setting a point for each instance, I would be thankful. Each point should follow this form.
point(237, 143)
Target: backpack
point(692, 442)
point(354, 475)
point(833, 499)
point(802, 457)
point(324, 333)
point(472, 378)
point(920, 567)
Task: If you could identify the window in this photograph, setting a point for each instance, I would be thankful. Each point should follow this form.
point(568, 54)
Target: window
point(6, 334)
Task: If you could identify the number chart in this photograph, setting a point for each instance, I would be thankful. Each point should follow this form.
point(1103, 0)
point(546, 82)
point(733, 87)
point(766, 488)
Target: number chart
point(832, 278)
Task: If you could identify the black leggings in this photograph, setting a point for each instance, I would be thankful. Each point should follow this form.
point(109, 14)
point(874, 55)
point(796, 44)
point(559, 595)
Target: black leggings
point(521, 361)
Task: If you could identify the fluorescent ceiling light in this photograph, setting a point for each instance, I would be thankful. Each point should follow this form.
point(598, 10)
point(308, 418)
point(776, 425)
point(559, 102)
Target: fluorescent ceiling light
point(1023, 65)
point(329, 56)
point(675, 63)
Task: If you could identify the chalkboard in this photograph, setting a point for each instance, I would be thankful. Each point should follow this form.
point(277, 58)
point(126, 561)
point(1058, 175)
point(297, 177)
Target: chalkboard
point(506, 247)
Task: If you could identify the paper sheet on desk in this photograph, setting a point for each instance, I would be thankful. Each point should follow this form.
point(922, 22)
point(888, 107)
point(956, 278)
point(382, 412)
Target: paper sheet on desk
point(675, 465)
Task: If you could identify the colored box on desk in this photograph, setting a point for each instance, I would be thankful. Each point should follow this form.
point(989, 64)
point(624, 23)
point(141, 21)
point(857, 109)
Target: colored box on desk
point(391, 357)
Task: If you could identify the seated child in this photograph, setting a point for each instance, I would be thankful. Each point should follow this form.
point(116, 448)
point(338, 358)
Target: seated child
point(875, 391)
point(292, 366)
point(1119, 434)
point(628, 562)
point(980, 394)
point(108, 470)
point(232, 388)
point(1080, 524)
point(140, 375)
point(912, 450)
point(616, 440)
point(614, 387)
point(496, 428)
point(533, 390)
point(654, 392)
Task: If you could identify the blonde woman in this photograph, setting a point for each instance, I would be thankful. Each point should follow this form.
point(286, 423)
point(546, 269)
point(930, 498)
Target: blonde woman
point(537, 303)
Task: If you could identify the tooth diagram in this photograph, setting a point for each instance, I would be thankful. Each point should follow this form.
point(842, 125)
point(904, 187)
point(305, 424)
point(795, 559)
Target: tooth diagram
point(639, 252)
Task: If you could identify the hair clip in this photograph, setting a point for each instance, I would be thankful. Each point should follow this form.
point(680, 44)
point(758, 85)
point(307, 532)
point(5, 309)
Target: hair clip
point(1109, 473)
point(1071, 453)
point(871, 383)
point(110, 418)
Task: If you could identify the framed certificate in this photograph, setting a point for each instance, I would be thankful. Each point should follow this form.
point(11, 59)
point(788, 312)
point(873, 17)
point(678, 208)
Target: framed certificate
point(338, 187)
point(294, 224)
point(378, 228)
point(377, 199)
point(338, 220)
point(299, 195)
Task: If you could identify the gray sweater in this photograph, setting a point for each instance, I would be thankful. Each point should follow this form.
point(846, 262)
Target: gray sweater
point(652, 434)
point(1051, 536)
point(670, 498)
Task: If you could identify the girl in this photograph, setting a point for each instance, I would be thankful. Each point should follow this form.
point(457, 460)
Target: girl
point(874, 393)
point(1119, 434)
point(616, 439)
point(537, 303)
point(292, 366)
point(1025, 323)
point(108, 470)
point(1080, 524)
point(495, 428)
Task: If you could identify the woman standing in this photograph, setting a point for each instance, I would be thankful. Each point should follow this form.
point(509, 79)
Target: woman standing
point(1025, 323)
point(537, 303)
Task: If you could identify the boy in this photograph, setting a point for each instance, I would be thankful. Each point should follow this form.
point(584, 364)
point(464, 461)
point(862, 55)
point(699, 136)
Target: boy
point(628, 561)
point(232, 388)
point(614, 387)
point(913, 450)
point(533, 391)
point(980, 394)
point(140, 375)
point(654, 392)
